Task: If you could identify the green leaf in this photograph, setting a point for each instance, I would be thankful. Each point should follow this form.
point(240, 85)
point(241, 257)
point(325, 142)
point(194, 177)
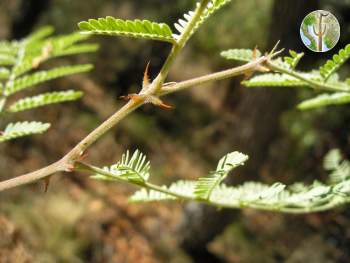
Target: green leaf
point(39, 34)
point(20, 129)
point(275, 197)
point(341, 173)
point(9, 48)
point(136, 28)
point(250, 194)
point(66, 44)
point(44, 99)
point(42, 76)
point(7, 60)
point(293, 59)
point(77, 49)
point(325, 100)
point(277, 80)
point(332, 65)
point(332, 160)
point(245, 55)
point(211, 8)
point(134, 168)
point(339, 168)
point(182, 188)
point(4, 73)
point(44, 49)
point(206, 185)
point(298, 198)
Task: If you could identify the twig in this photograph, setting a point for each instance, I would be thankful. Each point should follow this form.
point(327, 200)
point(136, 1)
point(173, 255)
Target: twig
point(317, 85)
point(68, 161)
point(84, 167)
point(229, 73)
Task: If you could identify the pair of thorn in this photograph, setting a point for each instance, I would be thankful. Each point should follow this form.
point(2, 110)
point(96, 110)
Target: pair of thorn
point(262, 68)
point(142, 97)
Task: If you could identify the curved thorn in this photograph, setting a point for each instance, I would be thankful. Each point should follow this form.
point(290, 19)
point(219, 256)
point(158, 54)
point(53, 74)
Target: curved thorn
point(146, 81)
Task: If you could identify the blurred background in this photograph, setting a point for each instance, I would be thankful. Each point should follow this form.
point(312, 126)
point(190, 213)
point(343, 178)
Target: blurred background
point(81, 220)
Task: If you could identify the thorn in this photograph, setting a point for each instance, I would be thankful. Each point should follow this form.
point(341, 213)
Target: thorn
point(125, 97)
point(274, 53)
point(147, 99)
point(146, 81)
point(134, 97)
point(248, 75)
point(169, 84)
point(158, 102)
point(275, 47)
point(47, 183)
point(263, 69)
point(83, 156)
point(70, 168)
point(165, 106)
point(255, 50)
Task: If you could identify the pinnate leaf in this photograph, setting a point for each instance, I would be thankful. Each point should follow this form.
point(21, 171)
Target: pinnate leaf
point(131, 28)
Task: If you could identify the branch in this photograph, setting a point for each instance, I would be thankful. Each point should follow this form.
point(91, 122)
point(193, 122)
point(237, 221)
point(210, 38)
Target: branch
point(288, 207)
point(317, 85)
point(84, 167)
point(33, 176)
point(241, 70)
point(68, 161)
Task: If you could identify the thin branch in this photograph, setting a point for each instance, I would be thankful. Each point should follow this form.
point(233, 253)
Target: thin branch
point(33, 176)
point(229, 73)
point(68, 161)
point(84, 167)
point(80, 148)
point(317, 85)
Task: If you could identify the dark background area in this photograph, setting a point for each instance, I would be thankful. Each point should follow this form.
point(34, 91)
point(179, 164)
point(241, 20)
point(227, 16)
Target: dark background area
point(81, 220)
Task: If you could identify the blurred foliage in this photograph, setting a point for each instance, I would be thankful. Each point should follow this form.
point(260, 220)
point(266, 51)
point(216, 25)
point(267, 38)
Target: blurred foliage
point(50, 226)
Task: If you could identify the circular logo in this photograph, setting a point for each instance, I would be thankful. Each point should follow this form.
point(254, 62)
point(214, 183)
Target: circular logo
point(320, 31)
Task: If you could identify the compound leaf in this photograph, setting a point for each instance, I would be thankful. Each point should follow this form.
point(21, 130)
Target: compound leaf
point(131, 28)
point(4, 73)
point(276, 80)
point(181, 188)
point(205, 185)
point(293, 59)
point(135, 168)
point(245, 55)
point(332, 65)
point(20, 129)
point(44, 99)
point(42, 76)
point(325, 100)
point(211, 8)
